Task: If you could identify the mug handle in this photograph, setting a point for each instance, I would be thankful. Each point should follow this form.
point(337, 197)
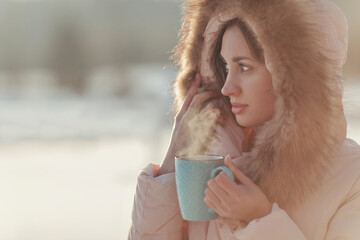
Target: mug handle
point(216, 171)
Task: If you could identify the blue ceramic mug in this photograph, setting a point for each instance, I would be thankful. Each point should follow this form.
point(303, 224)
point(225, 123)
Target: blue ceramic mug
point(192, 172)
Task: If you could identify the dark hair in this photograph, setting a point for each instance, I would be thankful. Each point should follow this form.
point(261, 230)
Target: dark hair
point(217, 64)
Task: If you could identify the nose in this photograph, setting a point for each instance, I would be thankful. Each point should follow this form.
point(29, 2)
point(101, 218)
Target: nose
point(231, 86)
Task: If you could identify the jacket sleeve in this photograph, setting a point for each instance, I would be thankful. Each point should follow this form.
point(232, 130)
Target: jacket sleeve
point(345, 223)
point(277, 225)
point(156, 213)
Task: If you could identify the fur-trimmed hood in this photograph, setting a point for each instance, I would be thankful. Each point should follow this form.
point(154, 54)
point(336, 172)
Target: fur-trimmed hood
point(304, 45)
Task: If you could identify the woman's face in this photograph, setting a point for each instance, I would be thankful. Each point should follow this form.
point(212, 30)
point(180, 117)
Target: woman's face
point(248, 82)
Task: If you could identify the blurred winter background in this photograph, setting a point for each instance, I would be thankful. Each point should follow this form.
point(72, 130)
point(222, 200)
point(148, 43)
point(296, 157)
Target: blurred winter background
point(85, 103)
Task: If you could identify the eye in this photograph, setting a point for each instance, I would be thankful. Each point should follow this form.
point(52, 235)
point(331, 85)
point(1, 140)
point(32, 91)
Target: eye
point(244, 68)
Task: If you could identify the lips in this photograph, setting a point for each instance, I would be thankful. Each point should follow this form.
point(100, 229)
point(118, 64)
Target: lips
point(238, 107)
point(235, 104)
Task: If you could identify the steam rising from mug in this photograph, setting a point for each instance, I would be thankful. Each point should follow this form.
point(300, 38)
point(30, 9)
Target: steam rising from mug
point(200, 125)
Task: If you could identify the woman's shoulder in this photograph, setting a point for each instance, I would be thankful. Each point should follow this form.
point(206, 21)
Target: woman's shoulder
point(349, 150)
point(347, 160)
point(343, 171)
point(348, 170)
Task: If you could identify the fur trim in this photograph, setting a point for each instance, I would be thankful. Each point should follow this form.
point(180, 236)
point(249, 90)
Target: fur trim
point(291, 153)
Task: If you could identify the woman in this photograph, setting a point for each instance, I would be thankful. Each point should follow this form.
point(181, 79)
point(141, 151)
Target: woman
point(278, 65)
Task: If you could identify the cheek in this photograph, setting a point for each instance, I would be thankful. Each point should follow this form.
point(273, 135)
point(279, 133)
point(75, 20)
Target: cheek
point(268, 100)
point(263, 95)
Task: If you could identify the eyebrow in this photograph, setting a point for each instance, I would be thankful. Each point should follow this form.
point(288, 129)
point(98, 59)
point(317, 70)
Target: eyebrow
point(235, 59)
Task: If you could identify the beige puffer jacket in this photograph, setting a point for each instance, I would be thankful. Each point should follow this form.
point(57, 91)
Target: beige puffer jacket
point(310, 170)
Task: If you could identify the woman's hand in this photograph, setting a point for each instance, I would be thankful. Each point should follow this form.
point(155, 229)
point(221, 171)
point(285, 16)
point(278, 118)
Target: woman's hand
point(192, 110)
point(242, 200)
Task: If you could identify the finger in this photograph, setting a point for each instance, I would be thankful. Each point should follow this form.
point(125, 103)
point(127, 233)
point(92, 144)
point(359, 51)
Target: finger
point(238, 174)
point(217, 190)
point(190, 95)
point(210, 204)
point(226, 184)
point(212, 197)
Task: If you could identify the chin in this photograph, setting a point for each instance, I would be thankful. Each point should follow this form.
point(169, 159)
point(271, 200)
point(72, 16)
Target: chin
point(242, 121)
point(246, 122)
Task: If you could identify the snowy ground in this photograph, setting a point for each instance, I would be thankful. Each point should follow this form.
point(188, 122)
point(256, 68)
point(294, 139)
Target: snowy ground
point(72, 189)
point(73, 177)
